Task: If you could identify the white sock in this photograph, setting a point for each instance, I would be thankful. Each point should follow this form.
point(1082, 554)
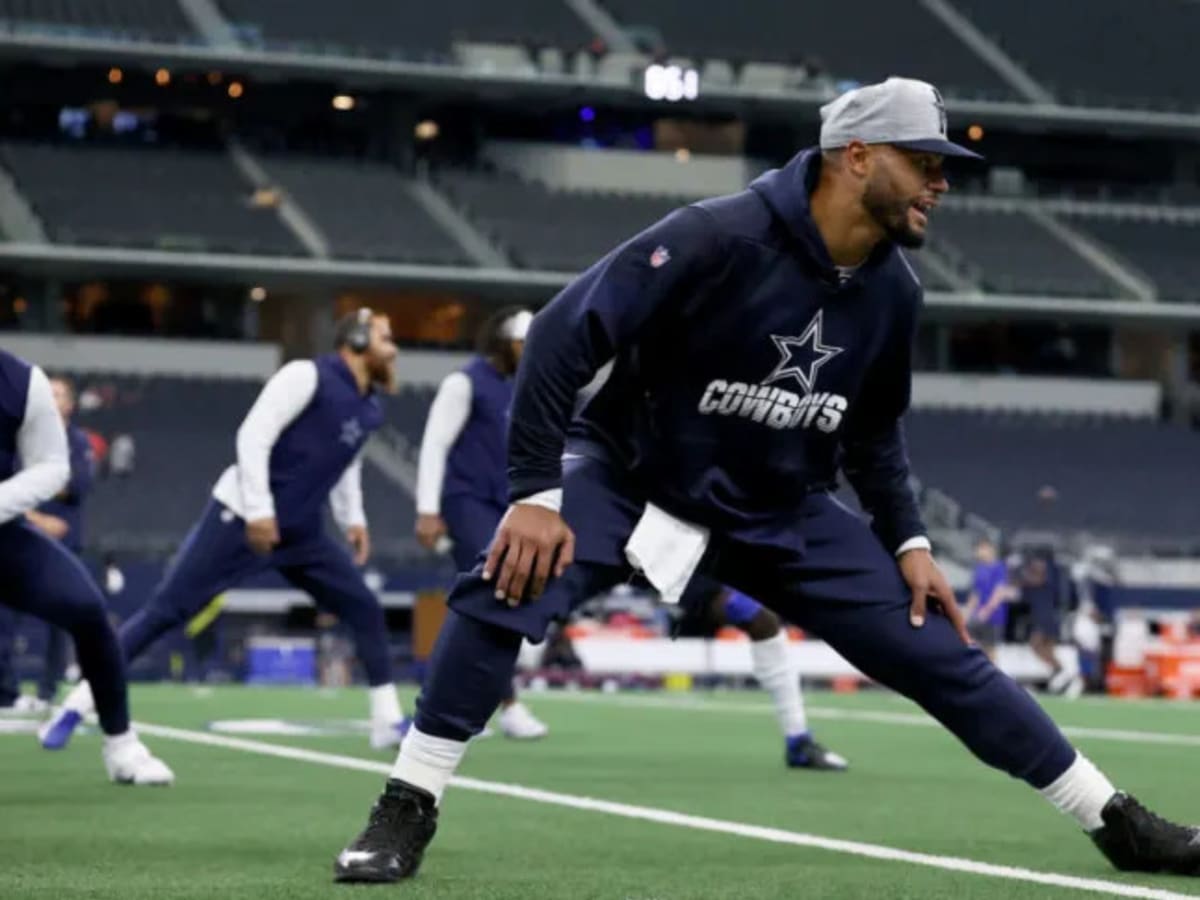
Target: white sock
point(79, 699)
point(428, 762)
point(385, 704)
point(774, 670)
point(1081, 791)
point(115, 742)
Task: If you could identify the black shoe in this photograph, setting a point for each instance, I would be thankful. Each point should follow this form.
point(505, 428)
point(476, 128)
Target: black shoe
point(802, 752)
point(403, 822)
point(1136, 840)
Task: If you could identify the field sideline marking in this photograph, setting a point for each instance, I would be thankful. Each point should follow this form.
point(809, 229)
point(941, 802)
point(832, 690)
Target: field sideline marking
point(667, 817)
point(852, 715)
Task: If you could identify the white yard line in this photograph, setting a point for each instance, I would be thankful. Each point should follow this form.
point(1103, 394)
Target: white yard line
point(696, 823)
point(919, 720)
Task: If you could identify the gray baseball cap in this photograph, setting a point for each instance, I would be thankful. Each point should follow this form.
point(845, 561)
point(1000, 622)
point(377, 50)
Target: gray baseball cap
point(902, 112)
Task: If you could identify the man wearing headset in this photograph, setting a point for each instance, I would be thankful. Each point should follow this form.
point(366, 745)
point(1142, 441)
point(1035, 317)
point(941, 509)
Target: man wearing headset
point(300, 443)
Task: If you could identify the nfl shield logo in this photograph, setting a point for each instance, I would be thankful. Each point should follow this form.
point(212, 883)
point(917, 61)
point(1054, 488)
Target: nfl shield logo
point(659, 257)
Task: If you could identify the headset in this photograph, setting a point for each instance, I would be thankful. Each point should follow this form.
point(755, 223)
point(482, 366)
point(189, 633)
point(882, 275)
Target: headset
point(355, 330)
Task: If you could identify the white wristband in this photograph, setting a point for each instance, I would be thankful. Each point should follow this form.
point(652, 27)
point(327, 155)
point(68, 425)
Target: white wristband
point(549, 499)
point(920, 542)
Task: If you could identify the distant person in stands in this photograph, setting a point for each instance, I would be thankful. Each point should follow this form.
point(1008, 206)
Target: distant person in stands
point(462, 482)
point(987, 610)
point(299, 447)
point(60, 518)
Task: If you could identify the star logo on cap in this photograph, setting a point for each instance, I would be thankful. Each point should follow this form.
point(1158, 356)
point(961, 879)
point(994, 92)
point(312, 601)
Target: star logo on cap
point(802, 357)
point(352, 433)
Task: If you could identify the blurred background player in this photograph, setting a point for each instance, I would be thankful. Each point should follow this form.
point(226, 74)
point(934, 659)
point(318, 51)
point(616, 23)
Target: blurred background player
point(61, 518)
point(462, 481)
point(986, 611)
point(1041, 585)
point(43, 578)
point(300, 444)
point(772, 664)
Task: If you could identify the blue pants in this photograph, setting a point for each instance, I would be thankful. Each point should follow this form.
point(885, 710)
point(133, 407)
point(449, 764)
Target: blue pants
point(215, 557)
point(826, 572)
point(40, 577)
point(471, 523)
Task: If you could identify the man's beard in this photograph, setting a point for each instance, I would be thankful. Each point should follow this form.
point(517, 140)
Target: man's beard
point(383, 376)
point(892, 217)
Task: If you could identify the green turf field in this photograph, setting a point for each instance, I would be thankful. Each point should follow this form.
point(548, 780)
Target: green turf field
point(241, 824)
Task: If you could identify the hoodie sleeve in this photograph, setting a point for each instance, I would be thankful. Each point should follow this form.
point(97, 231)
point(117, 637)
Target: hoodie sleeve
point(874, 455)
point(597, 315)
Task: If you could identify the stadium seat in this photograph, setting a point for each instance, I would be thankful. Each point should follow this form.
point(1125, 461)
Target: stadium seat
point(1103, 52)
point(137, 20)
point(144, 197)
point(818, 33)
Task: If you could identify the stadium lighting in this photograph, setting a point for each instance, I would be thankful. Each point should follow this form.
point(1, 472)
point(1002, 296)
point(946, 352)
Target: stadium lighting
point(427, 130)
point(162, 77)
point(258, 293)
point(344, 102)
point(236, 89)
point(115, 75)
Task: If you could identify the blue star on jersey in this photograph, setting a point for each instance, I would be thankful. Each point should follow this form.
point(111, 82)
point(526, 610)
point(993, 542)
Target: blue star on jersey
point(802, 357)
point(352, 432)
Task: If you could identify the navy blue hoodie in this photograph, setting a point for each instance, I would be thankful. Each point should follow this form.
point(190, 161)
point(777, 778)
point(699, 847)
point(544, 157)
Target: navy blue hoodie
point(745, 371)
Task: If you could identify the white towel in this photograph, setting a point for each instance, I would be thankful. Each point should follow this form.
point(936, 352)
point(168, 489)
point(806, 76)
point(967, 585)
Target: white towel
point(666, 550)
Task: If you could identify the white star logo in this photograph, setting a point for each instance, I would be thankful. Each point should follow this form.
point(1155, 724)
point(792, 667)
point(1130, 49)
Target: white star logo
point(802, 357)
point(351, 433)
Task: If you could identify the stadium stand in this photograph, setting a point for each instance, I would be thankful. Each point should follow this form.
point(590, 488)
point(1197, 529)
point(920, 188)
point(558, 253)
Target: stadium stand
point(1012, 253)
point(183, 431)
point(418, 31)
point(133, 20)
point(996, 464)
point(144, 197)
point(930, 279)
point(1105, 52)
point(1164, 251)
point(819, 34)
point(545, 229)
point(366, 211)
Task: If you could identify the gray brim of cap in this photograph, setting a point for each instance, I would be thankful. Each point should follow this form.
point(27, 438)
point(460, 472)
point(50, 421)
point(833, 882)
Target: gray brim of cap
point(934, 145)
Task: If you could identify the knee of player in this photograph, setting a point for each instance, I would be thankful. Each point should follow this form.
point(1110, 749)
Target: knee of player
point(763, 626)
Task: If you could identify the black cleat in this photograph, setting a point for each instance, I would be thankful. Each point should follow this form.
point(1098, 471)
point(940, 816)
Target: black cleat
point(1136, 840)
point(403, 821)
point(802, 752)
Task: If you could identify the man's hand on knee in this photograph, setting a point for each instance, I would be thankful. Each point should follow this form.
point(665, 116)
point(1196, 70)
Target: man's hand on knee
point(925, 579)
point(529, 542)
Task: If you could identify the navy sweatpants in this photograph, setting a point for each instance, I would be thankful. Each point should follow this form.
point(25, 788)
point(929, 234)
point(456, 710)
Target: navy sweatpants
point(471, 523)
point(215, 557)
point(40, 577)
point(827, 573)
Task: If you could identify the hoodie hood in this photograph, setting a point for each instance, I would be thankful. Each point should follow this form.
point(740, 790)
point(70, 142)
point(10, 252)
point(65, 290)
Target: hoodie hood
point(786, 192)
